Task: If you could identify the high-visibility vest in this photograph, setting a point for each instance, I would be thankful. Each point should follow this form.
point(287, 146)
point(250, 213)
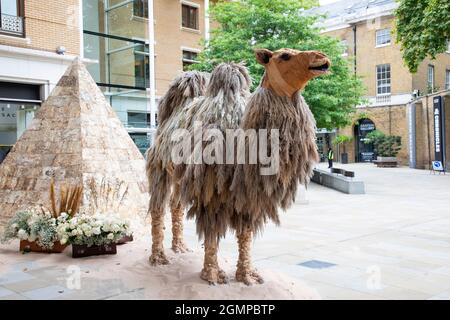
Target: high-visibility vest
point(330, 155)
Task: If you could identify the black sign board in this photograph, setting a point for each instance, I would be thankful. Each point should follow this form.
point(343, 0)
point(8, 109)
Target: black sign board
point(438, 134)
point(19, 91)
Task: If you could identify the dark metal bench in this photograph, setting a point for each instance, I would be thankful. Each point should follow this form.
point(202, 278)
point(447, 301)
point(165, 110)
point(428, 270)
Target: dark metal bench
point(343, 172)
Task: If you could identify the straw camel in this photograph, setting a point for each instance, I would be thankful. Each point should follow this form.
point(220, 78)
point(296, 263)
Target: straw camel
point(237, 196)
point(182, 91)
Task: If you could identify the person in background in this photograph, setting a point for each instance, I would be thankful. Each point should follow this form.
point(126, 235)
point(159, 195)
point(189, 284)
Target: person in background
point(330, 156)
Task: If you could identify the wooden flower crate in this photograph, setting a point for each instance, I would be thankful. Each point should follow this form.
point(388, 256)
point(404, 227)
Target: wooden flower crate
point(125, 239)
point(27, 246)
point(81, 251)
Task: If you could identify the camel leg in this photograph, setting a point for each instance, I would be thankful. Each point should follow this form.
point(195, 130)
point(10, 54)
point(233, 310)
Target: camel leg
point(211, 271)
point(245, 272)
point(158, 256)
point(178, 244)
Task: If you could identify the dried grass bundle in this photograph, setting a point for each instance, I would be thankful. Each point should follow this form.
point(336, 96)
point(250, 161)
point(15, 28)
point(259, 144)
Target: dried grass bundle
point(105, 196)
point(69, 199)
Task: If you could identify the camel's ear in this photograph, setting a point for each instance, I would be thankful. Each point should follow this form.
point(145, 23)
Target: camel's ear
point(263, 56)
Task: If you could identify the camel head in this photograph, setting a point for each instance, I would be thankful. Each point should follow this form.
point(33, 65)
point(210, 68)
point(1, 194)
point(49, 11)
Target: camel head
point(289, 70)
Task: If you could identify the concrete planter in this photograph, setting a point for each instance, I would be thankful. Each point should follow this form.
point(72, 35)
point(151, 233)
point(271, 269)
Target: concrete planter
point(389, 159)
point(344, 158)
point(386, 162)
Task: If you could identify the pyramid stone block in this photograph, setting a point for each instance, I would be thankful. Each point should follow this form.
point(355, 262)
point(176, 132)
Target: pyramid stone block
point(75, 138)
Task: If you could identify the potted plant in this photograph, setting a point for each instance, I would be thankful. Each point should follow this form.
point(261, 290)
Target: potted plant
point(93, 234)
point(36, 228)
point(386, 148)
point(342, 140)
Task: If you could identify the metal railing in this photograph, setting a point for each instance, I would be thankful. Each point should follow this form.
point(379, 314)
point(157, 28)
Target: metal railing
point(11, 24)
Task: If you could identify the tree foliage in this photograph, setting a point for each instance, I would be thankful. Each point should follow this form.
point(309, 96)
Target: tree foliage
point(273, 24)
point(342, 140)
point(423, 29)
point(384, 145)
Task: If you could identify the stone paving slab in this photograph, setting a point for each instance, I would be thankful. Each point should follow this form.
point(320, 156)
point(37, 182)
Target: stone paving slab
point(391, 243)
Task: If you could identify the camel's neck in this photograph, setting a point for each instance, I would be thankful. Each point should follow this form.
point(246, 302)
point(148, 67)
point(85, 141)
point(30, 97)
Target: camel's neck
point(278, 86)
point(266, 109)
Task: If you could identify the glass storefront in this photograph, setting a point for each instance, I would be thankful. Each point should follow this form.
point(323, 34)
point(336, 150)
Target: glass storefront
point(364, 151)
point(116, 38)
point(324, 139)
point(14, 119)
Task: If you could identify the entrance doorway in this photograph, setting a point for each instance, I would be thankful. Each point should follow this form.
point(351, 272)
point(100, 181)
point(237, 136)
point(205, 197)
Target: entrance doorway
point(364, 151)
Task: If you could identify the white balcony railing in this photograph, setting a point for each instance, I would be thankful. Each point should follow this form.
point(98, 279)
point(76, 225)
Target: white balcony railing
point(11, 24)
point(387, 100)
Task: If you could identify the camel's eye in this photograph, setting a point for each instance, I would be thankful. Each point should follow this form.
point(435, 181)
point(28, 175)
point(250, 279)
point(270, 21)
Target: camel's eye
point(285, 56)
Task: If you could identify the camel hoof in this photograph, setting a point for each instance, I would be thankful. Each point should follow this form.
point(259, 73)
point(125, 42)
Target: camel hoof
point(158, 258)
point(180, 247)
point(214, 276)
point(249, 278)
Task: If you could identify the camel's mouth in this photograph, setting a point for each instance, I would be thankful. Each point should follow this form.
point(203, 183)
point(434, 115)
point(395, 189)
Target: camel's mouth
point(321, 67)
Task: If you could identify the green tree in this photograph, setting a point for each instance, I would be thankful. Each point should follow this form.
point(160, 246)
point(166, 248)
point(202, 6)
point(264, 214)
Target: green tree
point(274, 24)
point(384, 145)
point(342, 140)
point(423, 29)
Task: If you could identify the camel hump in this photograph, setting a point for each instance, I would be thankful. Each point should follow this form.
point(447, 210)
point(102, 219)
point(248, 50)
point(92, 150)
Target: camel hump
point(182, 90)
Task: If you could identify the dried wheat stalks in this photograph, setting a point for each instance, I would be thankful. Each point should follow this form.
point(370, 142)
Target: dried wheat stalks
point(69, 200)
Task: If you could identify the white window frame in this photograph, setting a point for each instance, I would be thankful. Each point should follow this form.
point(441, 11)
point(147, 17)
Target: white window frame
point(430, 77)
point(387, 80)
point(344, 43)
point(447, 79)
point(191, 50)
point(380, 34)
point(194, 5)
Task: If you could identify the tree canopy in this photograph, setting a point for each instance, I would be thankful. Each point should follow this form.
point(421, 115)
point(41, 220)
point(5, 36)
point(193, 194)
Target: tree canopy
point(423, 29)
point(273, 24)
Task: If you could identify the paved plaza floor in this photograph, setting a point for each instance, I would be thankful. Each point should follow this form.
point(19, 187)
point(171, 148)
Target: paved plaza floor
point(391, 243)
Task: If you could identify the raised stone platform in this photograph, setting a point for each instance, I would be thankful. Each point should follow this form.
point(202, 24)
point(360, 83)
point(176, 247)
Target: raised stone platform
point(338, 182)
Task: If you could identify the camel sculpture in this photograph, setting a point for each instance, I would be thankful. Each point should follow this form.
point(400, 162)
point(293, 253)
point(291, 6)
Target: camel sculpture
point(183, 90)
point(237, 196)
point(228, 89)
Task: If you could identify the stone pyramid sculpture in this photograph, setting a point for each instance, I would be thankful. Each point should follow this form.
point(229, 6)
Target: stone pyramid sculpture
point(75, 138)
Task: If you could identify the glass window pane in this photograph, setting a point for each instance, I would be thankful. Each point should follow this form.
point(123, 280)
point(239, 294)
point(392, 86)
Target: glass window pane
point(9, 7)
point(383, 79)
point(383, 37)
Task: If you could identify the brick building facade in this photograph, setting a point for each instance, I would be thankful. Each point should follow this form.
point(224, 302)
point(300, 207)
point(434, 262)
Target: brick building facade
point(365, 29)
point(132, 60)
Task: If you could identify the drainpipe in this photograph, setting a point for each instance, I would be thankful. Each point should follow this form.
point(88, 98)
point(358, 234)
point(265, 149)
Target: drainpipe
point(206, 20)
point(80, 26)
point(151, 44)
point(354, 49)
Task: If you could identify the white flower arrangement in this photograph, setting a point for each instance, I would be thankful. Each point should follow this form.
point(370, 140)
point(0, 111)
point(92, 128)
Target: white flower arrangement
point(34, 225)
point(90, 230)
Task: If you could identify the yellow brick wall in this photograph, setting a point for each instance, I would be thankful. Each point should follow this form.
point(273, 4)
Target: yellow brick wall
point(170, 38)
point(389, 120)
point(420, 79)
point(368, 57)
point(49, 24)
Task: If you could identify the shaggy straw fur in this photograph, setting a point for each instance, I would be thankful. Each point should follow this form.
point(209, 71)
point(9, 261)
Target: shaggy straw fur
point(257, 197)
point(183, 90)
point(236, 196)
point(204, 187)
